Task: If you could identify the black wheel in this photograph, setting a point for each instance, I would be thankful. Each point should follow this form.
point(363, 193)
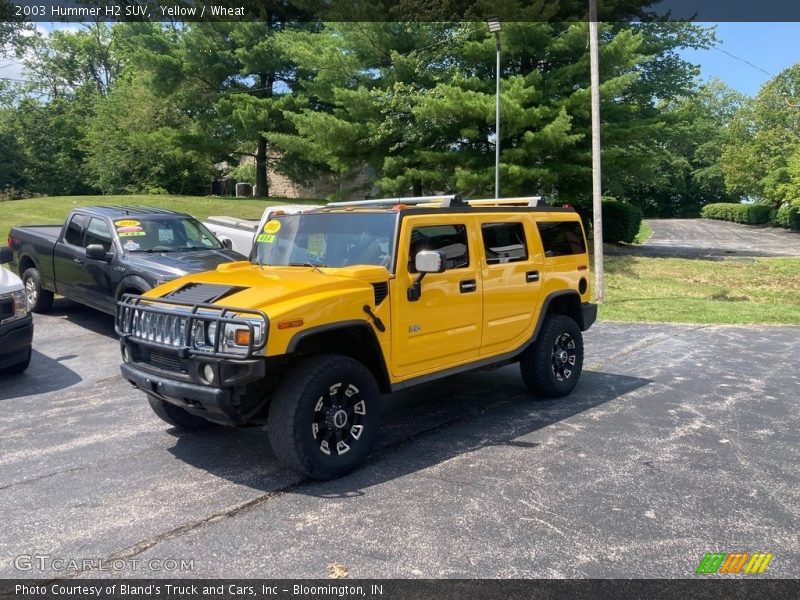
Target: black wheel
point(552, 366)
point(17, 368)
point(39, 299)
point(176, 416)
point(324, 417)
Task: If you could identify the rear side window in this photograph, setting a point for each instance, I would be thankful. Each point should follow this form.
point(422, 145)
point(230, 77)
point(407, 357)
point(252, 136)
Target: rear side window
point(74, 233)
point(562, 238)
point(98, 233)
point(450, 239)
point(504, 242)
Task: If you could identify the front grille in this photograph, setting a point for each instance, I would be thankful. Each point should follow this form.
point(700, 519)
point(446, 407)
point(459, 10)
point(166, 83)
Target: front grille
point(162, 328)
point(165, 361)
point(6, 308)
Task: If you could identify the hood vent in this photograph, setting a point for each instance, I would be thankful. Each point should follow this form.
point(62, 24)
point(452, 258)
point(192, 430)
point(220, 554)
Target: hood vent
point(381, 291)
point(202, 293)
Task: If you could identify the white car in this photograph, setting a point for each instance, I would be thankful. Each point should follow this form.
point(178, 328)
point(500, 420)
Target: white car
point(240, 232)
point(16, 324)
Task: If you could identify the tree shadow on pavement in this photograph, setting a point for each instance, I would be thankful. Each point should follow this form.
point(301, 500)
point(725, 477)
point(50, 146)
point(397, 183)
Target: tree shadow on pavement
point(421, 428)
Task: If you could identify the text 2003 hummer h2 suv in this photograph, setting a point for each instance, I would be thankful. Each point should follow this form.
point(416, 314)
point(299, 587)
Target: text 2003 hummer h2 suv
point(343, 303)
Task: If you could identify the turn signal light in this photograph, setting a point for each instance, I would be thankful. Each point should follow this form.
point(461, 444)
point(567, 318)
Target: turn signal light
point(290, 324)
point(242, 337)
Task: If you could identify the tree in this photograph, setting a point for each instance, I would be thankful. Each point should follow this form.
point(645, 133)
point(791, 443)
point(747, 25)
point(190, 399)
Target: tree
point(764, 136)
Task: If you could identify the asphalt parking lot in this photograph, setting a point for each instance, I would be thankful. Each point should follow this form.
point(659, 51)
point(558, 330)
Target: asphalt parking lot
point(678, 441)
point(707, 238)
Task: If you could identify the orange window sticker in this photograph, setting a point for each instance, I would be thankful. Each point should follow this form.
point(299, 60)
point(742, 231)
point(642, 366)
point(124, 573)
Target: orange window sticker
point(272, 226)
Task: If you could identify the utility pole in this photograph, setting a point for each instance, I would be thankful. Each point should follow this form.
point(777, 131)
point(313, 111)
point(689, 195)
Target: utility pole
point(494, 27)
point(597, 193)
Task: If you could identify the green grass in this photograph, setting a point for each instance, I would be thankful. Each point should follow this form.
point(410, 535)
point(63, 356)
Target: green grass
point(742, 291)
point(53, 210)
point(645, 231)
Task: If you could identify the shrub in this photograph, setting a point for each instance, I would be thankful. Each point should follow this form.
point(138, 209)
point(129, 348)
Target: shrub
point(788, 215)
point(751, 214)
point(621, 221)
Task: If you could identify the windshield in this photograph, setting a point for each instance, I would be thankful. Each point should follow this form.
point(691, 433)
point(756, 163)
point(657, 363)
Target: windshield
point(164, 234)
point(326, 239)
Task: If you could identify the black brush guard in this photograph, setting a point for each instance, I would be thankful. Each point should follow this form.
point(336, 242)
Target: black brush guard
point(165, 314)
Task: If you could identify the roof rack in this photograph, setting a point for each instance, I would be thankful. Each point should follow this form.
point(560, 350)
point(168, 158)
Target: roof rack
point(443, 200)
point(438, 202)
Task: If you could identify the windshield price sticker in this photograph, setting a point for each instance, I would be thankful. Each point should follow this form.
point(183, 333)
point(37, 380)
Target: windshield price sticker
point(128, 228)
point(316, 244)
point(272, 227)
point(265, 238)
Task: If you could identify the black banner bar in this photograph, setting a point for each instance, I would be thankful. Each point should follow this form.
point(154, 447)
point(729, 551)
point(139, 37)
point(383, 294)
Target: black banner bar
point(75, 11)
point(711, 588)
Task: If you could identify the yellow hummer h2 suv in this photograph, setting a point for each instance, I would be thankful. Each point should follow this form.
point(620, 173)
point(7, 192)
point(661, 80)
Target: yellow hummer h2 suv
point(340, 304)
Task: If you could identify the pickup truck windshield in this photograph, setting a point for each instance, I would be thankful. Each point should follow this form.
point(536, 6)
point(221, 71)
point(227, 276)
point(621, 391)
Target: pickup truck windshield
point(326, 239)
point(164, 234)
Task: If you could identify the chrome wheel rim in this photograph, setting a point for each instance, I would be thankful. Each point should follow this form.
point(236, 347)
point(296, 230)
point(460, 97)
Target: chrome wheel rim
point(564, 357)
point(31, 292)
point(339, 417)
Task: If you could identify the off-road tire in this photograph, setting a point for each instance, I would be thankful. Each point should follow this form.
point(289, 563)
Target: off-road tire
point(18, 367)
point(303, 416)
point(542, 365)
point(39, 299)
point(176, 416)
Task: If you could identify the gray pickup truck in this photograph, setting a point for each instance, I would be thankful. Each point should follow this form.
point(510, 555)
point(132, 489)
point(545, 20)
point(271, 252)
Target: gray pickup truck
point(103, 252)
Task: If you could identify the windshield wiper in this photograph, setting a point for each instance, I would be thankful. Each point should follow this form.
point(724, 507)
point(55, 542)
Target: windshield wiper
point(307, 264)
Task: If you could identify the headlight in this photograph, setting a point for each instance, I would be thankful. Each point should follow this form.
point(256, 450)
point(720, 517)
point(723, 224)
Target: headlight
point(19, 305)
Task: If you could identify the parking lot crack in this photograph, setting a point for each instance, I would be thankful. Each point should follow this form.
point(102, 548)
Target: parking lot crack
point(645, 345)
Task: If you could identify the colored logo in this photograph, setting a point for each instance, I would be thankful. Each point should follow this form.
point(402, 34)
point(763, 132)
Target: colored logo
point(272, 227)
point(734, 562)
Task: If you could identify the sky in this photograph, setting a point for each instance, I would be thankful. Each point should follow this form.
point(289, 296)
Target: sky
point(768, 47)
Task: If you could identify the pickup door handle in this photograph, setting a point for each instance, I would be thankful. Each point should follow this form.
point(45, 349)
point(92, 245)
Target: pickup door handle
point(77, 261)
point(532, 276)
point(467, 286)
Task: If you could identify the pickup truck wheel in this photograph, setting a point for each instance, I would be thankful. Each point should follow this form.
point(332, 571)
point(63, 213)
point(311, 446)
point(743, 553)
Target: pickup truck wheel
point(17, 368)
point(176, 416)
point(324, 417)
point(39, 299)
point(552, 366)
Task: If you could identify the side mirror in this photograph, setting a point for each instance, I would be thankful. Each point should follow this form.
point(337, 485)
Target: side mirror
point(426, 261)
point(97, 252)
point(6, 255)
point(226, 242)
point(430, 261)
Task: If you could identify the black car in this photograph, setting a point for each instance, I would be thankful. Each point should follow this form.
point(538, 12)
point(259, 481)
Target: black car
point(103, 252)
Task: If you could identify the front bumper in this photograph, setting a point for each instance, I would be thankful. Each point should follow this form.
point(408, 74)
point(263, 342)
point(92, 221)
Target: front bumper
point(179, 382)
point(15, 341)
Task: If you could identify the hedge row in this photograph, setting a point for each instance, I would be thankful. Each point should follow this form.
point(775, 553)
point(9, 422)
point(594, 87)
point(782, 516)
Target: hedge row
point(788, 215)
point(751, 214)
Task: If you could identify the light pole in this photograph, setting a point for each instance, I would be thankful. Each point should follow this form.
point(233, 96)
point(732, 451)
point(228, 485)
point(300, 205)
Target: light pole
point(494, 27)
point(597, 195)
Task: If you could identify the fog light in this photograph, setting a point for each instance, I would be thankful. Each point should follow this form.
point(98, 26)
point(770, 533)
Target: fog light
point(208, 374)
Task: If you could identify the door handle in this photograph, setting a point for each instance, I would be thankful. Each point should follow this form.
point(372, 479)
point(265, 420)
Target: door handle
point(77, 261)
point(531, 276)
point(467, 286)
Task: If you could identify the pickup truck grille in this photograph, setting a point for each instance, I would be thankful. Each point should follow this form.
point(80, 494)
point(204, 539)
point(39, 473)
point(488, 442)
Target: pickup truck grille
point(191, 329)
point(6, 308)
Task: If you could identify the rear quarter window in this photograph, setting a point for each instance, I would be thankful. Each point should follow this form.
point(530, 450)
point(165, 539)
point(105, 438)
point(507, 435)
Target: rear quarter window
point(562, 238)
